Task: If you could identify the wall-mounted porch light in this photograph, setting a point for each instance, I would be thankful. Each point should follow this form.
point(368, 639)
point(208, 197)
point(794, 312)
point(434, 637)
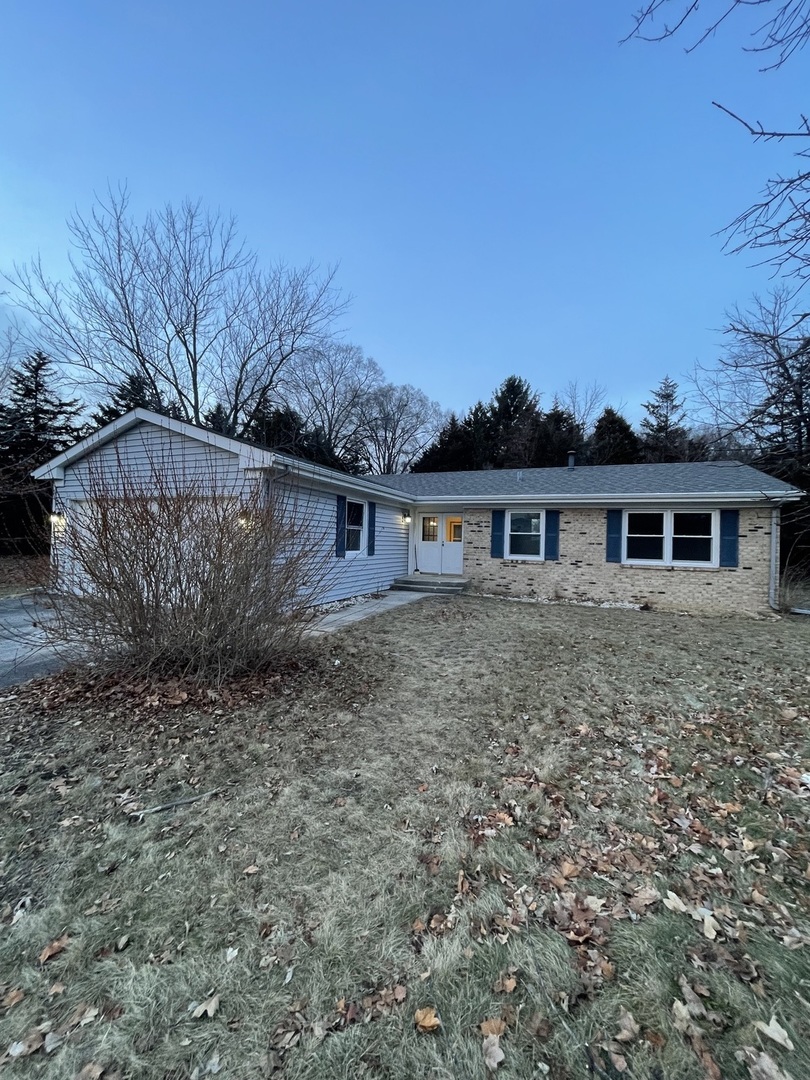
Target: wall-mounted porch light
point(58, 523)
point(406, 517)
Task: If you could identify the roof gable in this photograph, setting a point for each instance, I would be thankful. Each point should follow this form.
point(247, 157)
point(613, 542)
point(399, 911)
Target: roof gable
point(250, 456)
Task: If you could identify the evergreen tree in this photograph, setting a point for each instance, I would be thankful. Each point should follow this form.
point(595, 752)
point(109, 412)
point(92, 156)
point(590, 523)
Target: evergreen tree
point(478, 436)
point(133, 393)
point(665, 437)
point(613, 441)
point(513, 415)
point(283, 429)
point(36, 423)
point(448, 452)
point(217, 420)
point(556, 432)
point(462, 445)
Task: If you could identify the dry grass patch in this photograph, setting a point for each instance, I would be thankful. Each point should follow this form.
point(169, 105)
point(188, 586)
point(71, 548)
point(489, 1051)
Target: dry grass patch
point(469, 807)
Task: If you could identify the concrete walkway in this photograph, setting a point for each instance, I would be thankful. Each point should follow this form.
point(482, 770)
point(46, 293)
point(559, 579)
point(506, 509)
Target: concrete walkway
point(23, 651)
point(336, 620)
point(25, 655)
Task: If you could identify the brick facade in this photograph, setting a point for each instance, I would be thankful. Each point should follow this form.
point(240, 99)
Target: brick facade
point(582, 572)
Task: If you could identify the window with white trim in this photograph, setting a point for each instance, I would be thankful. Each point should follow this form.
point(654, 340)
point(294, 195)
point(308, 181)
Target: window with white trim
point(355, 527)
point(671, 537)
point(525, 534)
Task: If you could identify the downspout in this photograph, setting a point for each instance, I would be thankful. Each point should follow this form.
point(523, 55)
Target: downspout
point(773, 583)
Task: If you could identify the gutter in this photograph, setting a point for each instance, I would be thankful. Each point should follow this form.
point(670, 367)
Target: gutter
point(646, 499)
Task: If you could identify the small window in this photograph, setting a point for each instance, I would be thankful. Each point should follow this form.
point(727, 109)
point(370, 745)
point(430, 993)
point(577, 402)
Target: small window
point(355, 515)
point(430, 529)
point(454, 530)
point(525, 535)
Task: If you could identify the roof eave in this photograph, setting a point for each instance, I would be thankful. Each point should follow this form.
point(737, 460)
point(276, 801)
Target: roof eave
point(284, 465)
point(715, 498)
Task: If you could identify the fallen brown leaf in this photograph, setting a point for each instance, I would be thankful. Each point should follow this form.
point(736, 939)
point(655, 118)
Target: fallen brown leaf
point(628, 1028)
point(91, 1071)
point(761, 1066)
point(427, 1020)
point(27, 1046)
point(493, 1026)
point(55, 947)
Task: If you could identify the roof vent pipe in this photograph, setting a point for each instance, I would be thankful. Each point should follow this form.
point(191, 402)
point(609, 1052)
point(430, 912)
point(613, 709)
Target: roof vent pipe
point(572, 457)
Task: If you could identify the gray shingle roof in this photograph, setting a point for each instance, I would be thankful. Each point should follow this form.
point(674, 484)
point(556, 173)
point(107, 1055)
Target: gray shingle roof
point(684, 478)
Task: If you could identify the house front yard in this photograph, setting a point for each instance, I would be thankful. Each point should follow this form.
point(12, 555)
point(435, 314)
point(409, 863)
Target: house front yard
point(468, 838)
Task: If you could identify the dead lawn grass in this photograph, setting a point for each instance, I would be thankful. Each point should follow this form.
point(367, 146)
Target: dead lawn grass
point(586, 827)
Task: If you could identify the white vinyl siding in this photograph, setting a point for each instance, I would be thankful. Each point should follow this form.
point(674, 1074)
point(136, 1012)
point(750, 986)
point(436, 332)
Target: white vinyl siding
point(141, 450)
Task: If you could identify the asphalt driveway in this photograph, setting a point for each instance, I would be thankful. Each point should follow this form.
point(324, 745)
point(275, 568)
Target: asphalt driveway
point(23, 651)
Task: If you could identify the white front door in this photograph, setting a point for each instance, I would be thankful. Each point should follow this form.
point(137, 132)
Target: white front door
point(439, 543)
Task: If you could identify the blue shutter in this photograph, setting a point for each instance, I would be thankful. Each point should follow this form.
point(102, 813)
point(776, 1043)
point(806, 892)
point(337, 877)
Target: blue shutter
point(372, 528)
point(552, 549)
point(729, 537)
point(340, 528)
point(498, 529)
point(613, 548)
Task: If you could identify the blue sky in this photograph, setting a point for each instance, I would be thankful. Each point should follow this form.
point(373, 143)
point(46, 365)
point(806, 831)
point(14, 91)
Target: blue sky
point(506, 189)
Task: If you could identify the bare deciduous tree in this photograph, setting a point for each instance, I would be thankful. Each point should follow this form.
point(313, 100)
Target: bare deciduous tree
point(784, 30)
point(583, 402)
point(398, 423)
point(759, 388)
point(778, 223)
point(328, 387)
point(180, 302)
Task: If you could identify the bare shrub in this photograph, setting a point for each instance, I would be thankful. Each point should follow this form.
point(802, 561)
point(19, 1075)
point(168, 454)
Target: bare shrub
point(170, 574)
point(794, 588)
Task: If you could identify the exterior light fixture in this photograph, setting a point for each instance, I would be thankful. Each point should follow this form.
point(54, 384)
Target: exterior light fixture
point(58, 523)
point(406, 517)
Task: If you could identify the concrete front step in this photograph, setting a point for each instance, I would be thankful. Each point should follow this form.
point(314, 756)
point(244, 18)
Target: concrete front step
point(449, 584)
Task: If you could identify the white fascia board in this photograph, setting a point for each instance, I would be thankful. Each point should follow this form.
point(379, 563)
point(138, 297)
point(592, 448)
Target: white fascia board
point(55, 468)
point(719, 498)
point(252, 457)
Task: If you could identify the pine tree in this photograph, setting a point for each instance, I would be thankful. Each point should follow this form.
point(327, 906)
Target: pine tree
point(613, 441)
point(133, 393)
point(555, 433)
point(217, 419)
point(36, 423)
point(665, 437)
point(513, 415)
point(462, 445)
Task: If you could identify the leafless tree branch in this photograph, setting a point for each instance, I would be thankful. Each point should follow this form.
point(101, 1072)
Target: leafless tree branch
point(180, 301)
